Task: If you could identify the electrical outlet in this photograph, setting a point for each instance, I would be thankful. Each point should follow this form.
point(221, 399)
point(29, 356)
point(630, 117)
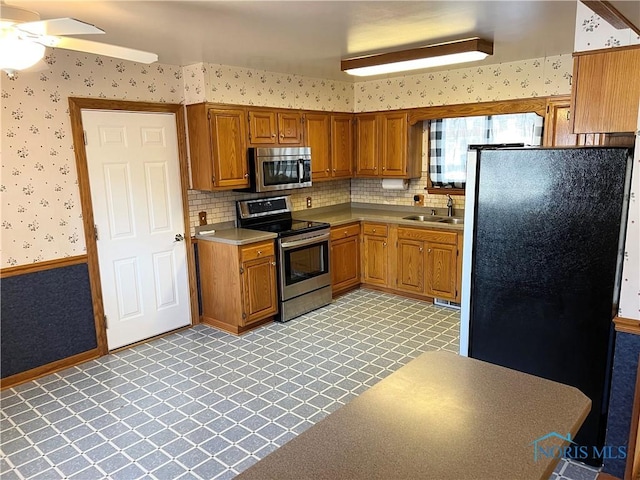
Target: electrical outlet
point(203, 218)
point(418, 200)
point(308, 202)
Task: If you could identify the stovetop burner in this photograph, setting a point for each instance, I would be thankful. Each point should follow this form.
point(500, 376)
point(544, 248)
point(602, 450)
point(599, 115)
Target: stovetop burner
point(273, 215)
point(287, 228)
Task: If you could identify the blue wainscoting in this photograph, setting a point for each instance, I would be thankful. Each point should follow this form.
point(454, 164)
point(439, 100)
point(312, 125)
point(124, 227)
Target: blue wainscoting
point(46, 316)
point(623, 385)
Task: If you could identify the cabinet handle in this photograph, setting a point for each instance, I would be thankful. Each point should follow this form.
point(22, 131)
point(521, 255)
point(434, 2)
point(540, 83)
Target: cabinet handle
point(374, 230)
point(384, 244)
point(429, 251)
point(345, 233)
point(246, 175)
point(420, 248)
point(282, 135)
point(327, 170)
point(259, 252)
point(273, 263)
point(384, 168)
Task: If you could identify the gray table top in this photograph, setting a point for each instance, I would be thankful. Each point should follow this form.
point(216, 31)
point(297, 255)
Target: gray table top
point(441, 416)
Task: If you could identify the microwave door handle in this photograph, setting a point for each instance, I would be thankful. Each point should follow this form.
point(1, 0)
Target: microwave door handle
point(300, 170)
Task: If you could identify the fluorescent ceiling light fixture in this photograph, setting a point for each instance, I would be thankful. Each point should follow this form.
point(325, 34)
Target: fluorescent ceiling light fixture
point(468, 50)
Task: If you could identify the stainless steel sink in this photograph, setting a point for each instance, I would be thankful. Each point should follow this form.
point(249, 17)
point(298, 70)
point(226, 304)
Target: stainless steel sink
point(452, 220)
point(423, 218)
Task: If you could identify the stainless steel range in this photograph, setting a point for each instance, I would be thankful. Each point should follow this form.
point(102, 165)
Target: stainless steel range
point(304, 278)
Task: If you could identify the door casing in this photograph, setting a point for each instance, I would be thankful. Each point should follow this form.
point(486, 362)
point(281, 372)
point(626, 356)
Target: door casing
point(76, 105)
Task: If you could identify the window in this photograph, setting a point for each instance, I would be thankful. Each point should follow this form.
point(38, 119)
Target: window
point(450, 138)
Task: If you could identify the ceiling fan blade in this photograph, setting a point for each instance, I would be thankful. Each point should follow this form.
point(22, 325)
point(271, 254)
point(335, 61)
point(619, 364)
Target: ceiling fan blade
point(106, 50)
point(59, 26)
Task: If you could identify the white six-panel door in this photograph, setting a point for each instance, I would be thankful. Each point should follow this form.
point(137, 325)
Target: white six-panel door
point(134, 176)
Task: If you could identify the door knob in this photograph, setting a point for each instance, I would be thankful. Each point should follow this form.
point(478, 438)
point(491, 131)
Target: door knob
point(179, 237)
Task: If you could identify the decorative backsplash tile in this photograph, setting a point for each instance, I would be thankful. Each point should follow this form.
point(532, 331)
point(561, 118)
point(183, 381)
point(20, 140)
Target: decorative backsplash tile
point(594, 33)
point(220, 206)
point(41, 214)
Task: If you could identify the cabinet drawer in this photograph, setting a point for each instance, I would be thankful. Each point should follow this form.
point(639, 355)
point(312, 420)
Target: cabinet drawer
point(256, 250)
point(345, 231)
point(436, 236)
point(378, 229)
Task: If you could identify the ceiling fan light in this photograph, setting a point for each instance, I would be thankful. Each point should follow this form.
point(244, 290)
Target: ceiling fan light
point(469, 50)
point(16, 54)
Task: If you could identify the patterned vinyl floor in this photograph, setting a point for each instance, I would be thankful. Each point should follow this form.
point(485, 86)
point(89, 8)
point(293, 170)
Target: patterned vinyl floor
point(202, 404)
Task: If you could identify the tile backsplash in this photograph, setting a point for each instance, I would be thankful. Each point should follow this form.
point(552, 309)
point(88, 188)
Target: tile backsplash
point(220, 206)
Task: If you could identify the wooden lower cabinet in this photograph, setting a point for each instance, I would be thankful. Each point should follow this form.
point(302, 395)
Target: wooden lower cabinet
point(427, 262)
point(345, 258)
point(418, 262)
point(375, 258)
point(238, 284)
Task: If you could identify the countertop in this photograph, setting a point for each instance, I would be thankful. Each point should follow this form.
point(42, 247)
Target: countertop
point(441, 416)
point(335, 215)
point(227, 233)
point(352, 212)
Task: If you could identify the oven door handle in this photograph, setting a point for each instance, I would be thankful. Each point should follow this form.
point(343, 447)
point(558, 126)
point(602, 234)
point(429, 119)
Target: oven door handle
point(306, 241)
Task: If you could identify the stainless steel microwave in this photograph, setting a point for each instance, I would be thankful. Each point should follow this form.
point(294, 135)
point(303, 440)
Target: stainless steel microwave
point(274, 169)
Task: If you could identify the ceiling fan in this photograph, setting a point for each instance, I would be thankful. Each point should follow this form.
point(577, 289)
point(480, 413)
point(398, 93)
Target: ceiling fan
point(24, 37)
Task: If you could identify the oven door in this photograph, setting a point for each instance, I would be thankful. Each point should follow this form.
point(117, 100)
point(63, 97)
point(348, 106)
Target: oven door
point(304, 264)
point(282, 173)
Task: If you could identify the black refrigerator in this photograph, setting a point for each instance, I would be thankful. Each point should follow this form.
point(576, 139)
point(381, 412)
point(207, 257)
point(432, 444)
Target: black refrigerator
point(543, 243)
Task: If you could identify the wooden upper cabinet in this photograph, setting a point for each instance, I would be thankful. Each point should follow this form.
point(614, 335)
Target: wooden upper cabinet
point(317, 134)
point(558, 129)
point(272, 127)
point(218, 148)
point(606, 90)
point(557, 124)
point(262, 128)
point(394, 144)
point(331, 140)
point(367, 158)
point(290, 128)
point(342, 146)
point(387, 146)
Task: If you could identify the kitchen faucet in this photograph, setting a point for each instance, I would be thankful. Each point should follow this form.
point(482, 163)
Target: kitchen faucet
point(449, 206)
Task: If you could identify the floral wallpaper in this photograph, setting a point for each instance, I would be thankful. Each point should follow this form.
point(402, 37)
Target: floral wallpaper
point(41, 213)
point(593, 33)
point(244, 86)
point(503, 81)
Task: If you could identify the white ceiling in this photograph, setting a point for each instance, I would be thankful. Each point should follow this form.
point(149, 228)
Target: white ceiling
point(310, 37)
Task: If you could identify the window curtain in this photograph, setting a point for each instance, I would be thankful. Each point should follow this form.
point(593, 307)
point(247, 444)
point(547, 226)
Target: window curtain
point(451, 137)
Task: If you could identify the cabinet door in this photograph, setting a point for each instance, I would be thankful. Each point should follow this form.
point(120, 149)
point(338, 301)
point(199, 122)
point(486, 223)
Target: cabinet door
point(367, 146)
point(606, 91)
point(317, 132)
point(375, 261)
point(411, 263)
point(557, 125)
point(258, 289)
point(341, 146)
point(441, 270)
point(228, 148)
point(290, 128)
point(262, 128)
point(345, 263)
point(394, 145)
